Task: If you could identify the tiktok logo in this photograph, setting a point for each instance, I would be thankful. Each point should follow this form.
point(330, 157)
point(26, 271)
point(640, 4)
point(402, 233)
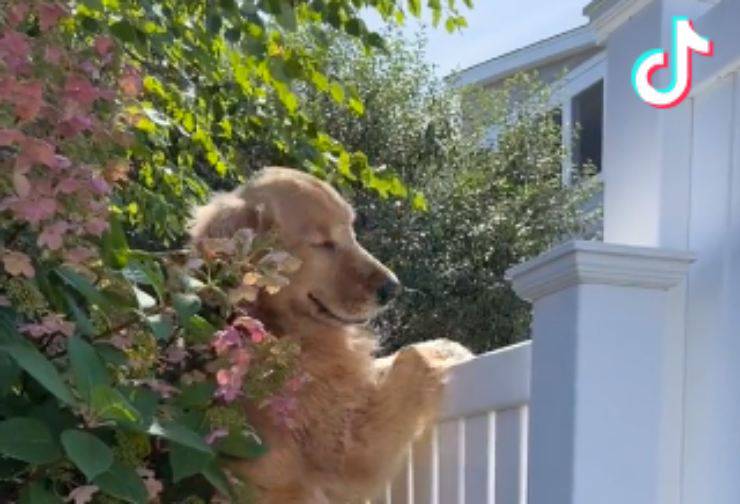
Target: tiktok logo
point(685, 41)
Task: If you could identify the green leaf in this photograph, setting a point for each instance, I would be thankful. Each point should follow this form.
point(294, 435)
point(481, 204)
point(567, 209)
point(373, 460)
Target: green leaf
point(161, 326)
point(197, 395)
point(186, 305)
point(29, 440)
point(146, 271)
point(83, 323)
point(124, 31)
point(415, 7)
point(111, 354)
point(39, 367)
point(109, 404)
point(35, 493)
point(114, 247)
point(337, 92)
point(122, 481)
point(83, 286)
point(178, 433)
point(198, 330)
point(356, 105)
point(216, 477)
point(243, 444)
point(9, 374)
point(287, 17)
point(186, 462)
point(144, 400)
point(87, 452)
point(419, 202)
point(87, 366)
point(214, 23)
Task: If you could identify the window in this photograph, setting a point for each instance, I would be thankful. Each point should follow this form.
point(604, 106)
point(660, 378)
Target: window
point(587, 109)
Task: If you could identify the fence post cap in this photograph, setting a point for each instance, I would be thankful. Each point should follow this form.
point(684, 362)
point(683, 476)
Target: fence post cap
point(591, 262)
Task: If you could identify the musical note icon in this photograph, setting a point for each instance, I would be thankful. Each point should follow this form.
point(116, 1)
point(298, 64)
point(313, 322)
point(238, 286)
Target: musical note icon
point(685, 41)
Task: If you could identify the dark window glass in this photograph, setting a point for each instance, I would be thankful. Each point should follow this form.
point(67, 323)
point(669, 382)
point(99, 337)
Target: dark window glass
point(588, 118)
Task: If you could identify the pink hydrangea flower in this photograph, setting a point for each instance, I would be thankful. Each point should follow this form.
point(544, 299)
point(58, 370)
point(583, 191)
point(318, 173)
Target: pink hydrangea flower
point(254, 328)
point(82, 494)
point(162, 388)
point(21, 184)
point(227, 339)
point(14, 49)
point(231, 380)
point(31, 210)
point(96, 226)
point(53, 55)
point(52, 235)
point(130, 82)
point(50, 324)
point(103, 45)
point(99, 185)
point(18, 263)
point(37, 151)
point(175, 354)
point(79, 89)
point(11, 136)
point(75, 125)
point(78, 255)
point(17, 14)
point(282, 409)
point(49, 15)
point(28, 98)
point(229, 384)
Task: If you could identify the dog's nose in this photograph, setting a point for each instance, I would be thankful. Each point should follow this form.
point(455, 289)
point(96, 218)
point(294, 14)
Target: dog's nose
point(388, 291)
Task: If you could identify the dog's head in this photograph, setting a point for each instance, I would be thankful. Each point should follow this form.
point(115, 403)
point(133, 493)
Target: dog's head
point(339, 283)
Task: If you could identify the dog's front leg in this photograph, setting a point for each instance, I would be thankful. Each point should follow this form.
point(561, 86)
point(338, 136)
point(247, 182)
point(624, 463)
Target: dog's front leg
point(404, 403)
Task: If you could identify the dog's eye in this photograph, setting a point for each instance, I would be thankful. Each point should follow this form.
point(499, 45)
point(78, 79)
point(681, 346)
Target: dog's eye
point(327, 245)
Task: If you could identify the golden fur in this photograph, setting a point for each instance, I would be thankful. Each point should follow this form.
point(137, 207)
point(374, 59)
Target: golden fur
point(357, 414)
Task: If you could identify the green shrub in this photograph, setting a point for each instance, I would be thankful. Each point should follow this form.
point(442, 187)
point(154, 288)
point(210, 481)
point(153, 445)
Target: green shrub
point(489, 208)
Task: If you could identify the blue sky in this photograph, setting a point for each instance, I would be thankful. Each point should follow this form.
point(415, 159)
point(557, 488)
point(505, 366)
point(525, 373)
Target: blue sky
point(496, 27)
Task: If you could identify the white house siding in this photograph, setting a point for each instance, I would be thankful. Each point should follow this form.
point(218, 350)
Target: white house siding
point(672, 179)
point(712, 453)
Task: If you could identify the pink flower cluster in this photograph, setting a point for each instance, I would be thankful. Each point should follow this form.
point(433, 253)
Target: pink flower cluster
point(62, 147)
point(49, 325)
point(56, 98)
point(283, 406)
point(234, 344)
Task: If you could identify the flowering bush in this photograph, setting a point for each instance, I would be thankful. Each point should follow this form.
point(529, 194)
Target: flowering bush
point(119, 369)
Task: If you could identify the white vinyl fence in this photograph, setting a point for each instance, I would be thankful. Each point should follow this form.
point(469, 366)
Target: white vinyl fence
point(477, 453)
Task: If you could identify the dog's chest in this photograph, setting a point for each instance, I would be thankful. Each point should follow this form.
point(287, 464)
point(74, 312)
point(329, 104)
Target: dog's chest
point(331, 405)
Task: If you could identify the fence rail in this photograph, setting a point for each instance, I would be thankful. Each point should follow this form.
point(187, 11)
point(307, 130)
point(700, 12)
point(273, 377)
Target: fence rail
point(477, 452)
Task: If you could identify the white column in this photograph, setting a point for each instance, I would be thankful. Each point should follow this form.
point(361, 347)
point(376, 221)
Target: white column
point(644, 170)
point(605, 356)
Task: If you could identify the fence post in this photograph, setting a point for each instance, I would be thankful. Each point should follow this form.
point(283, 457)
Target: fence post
point(606, 362)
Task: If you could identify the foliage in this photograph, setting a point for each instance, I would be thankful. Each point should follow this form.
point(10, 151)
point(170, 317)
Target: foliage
point(219, 95)
point(120, 368)
point(489, 208)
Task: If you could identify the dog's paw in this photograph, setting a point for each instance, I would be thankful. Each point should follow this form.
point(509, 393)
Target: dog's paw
point(417, 373)
point(443, 353)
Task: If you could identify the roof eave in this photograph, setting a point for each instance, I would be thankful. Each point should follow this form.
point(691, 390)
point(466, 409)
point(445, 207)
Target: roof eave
point(551, 49)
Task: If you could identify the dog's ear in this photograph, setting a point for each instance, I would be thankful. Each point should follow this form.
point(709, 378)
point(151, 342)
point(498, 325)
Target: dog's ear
point(226, 214)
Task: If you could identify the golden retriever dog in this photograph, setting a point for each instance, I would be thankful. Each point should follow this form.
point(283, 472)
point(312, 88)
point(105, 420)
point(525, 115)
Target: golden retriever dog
point(357, 414)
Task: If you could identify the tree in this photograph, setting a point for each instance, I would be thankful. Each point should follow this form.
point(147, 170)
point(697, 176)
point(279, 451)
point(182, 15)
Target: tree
point(489, 208)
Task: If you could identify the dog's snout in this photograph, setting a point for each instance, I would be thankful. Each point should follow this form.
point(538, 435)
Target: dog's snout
point(388, 290)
